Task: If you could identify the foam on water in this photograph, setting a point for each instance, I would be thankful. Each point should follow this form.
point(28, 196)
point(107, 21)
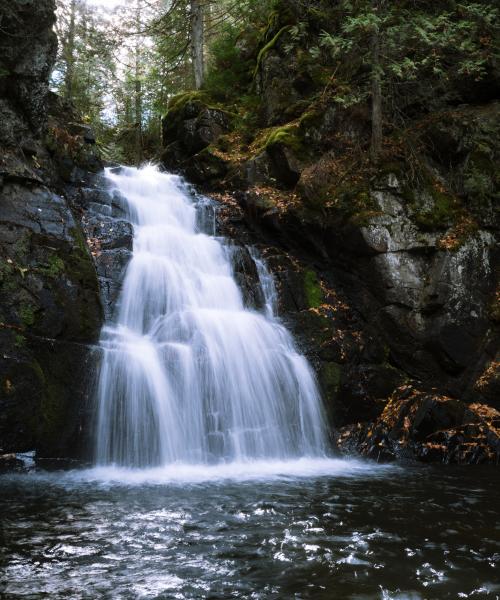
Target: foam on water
point(231, 472)
point(267, 470)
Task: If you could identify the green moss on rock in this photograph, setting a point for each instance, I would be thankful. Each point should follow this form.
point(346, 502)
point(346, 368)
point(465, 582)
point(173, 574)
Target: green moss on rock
point(178, 102)
point(331, 374)
point(26, 314)
point(53, 268)
point(269, 46)
point(286, 136)
point(312, 288)
point(19, 341)
point(441, 212)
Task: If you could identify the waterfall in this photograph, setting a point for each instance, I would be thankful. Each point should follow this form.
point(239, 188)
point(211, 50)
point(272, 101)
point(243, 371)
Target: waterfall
point(188, 373)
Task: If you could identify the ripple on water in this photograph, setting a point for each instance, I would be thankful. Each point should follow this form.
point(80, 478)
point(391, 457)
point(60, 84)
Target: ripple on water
point(316, 529)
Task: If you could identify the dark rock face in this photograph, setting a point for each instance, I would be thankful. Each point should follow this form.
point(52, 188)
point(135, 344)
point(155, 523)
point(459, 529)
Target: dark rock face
point(245, 273)
point(189, 128)
point(427, 427)
point(50, 313)
point(387, 270)
point(110, 237)
point(27, 53)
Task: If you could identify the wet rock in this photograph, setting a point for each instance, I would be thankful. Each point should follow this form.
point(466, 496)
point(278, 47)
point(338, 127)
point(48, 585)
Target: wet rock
point(50, 314)
point(111, 266)
point(189, 127)
point(10, 463)
point(109, 233)
point(205, 166)
point(247, 278)
point(427, 427)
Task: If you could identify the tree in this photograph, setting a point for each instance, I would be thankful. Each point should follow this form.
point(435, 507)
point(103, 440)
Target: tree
point(85, 62)
point(197, 35)
point(404, 42)
point(138, 83)
point(376, 92)
point(69, 52)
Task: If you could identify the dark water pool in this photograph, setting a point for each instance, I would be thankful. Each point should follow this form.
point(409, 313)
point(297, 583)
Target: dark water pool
point(336, 529)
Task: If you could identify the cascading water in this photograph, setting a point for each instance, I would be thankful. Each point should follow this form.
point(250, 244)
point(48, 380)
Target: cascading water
point(188, 373)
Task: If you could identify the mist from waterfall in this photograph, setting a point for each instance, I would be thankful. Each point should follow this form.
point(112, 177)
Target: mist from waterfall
point(188, 373)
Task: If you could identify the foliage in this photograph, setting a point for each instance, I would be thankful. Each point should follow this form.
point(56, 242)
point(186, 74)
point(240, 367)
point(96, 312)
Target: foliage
point(229, 74)
point(439, 42)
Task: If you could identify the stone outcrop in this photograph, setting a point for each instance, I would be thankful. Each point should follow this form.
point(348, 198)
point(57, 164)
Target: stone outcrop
point(50, 313)
point(427, 427)
point(387, 272)
point(189, 128)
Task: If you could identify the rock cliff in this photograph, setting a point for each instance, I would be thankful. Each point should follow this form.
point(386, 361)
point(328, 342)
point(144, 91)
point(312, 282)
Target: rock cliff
point(50, 313)
point(388, 270)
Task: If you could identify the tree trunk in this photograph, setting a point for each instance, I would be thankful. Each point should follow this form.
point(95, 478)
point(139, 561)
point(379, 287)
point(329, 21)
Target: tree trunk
point(138, 86)
point(197, 34)
point(69, 52)
point(376, 76)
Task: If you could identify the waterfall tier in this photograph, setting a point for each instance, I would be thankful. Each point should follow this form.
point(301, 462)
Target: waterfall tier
point(188, 373)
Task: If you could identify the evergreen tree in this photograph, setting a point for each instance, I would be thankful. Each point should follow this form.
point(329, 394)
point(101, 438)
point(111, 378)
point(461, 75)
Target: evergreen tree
point(404, 42)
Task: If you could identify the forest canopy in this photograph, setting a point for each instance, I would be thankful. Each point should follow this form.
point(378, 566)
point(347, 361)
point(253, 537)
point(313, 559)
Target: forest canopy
point(119, 63)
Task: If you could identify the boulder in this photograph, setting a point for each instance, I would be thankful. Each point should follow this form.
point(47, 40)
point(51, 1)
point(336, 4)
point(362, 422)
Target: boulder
point(428, 427)
point(190, 126)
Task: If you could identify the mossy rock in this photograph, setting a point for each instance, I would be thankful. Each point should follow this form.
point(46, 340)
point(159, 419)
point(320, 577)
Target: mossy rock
point(181, 107)
point(54, 267)
point(439, 212)
point(178, 102)
point(206, 166)
point(330, 376)
point(312, 288)
point(268, 47)
point(288, 136)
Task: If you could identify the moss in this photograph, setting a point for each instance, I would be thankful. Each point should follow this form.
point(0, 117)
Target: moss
point(312, 289)
point(269, 46)
point(53, 410)
point(175, 112)
point(350, 203)
point(53, 268)
point(440, 215)
point(264, 202)
point(22, 248)
point(331, 374)
point(33, 419)
point(80, 270)
point(285, 136)
point(49, 419)
point(26, 313)
point(8, 280)
point(311, 118)
point(19, 341)
point(295, 110)
point(481, 176)
point(79, 238)
point(179, 101)
point(363, 218)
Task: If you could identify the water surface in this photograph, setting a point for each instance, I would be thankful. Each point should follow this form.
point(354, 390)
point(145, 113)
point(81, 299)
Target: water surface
point(302, 529)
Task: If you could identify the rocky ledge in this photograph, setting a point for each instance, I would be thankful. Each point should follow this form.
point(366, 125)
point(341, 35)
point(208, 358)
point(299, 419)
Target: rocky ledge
point(427, 427)
point(387, 271)
point(50, 313)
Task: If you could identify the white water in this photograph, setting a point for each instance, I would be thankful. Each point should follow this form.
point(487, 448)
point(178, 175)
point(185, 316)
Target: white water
point(188, 374)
